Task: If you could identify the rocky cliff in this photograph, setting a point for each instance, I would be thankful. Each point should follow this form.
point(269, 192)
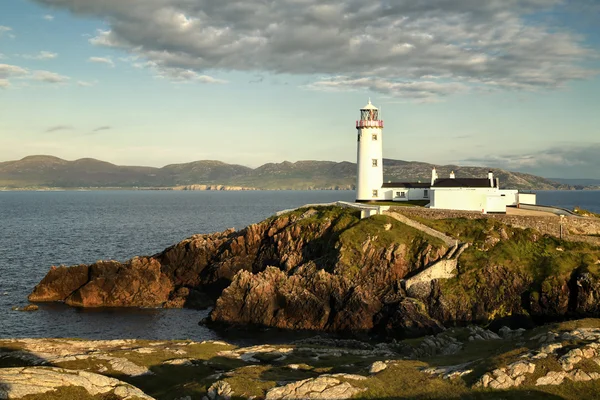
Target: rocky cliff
point(325, 269)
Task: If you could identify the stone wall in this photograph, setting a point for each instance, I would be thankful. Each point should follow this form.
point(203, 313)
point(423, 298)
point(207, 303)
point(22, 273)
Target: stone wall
point(430, 231)
point(573, 228)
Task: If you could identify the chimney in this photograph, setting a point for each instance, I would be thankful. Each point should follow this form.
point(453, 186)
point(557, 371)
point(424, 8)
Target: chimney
point(491, 178)
point(452, 176)
point(434, 176)
point(498, 183)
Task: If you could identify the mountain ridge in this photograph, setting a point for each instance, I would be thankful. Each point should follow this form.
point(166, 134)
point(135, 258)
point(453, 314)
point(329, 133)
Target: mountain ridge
point(43, 171)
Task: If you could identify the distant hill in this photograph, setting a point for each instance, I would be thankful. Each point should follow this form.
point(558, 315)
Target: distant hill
point(579, 183)
point(53, 172)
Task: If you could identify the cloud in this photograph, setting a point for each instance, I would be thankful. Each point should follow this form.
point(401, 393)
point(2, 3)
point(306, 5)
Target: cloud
point(4, 29)
point(102, 60)
point(177, 75)
point(42, 55)
point(49, 77)
point(9, 71)
point(102, 128)
point(494, 44)
point(4, 83)
point(417, 90)
point(566, 161)
point(60, 128)
point(85, 83)
point(48, 17)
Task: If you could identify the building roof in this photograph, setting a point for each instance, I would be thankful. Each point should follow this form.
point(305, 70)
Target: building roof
point(406, 185)
point(463, 182)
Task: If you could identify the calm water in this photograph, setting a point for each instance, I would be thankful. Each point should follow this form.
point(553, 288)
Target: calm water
point(40, 229)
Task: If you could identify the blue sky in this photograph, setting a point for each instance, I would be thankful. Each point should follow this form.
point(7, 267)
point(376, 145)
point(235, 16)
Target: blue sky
point(503, 83)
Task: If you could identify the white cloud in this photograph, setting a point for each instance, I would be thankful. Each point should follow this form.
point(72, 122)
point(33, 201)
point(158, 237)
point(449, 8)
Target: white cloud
point(8, 71)
point(49, 77)
point(42, 55)
point(48, 17)
point(85, 83)
point(424, 91)
point(392, 45)
point(4, 83)
point(5, 29)
point(102, 60)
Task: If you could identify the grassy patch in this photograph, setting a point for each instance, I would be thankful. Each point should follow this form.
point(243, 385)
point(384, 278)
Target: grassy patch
point(585, 213)
point(71, 393)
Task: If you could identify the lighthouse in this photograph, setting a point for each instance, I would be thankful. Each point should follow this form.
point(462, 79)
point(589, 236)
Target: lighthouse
point(369, 155)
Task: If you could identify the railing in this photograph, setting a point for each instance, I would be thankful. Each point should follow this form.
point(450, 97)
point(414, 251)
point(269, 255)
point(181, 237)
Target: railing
point(369, 124)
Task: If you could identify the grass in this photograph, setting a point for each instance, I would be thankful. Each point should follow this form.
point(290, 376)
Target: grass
point(585, 213)
point(542, 264)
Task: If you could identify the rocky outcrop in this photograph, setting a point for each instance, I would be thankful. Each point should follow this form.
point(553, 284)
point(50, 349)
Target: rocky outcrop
point(16, 383)
point(323, 387)
point(323, 268)
point(319, 269)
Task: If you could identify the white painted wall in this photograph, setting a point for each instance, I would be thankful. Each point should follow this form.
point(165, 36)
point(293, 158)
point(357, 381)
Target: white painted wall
point(495, 204)
point(369, 178)
point(409, 194)
point(463, 199)
point(511, 197)
point(527, 198)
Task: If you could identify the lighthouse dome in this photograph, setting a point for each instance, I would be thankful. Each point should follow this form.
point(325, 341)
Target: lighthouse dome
point(369, 106)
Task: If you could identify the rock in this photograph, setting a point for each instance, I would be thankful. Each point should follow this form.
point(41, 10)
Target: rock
point(29, 307)
point(455, 371)
point(377, 366)
point(570, 359)
point(126, 367)
point(19, 382)
point(520, 368)
point(323, 387)
point(220, 390)
point(551, 378)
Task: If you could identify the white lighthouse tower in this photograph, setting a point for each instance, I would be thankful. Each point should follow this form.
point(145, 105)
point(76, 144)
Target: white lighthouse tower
point(370, 155)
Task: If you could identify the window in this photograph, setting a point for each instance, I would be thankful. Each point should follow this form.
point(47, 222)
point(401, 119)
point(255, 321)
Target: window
point(374, 162)
point(426, 193)
point(400, 195)
point(359, 135)
point(375, 193)
point(374, 136)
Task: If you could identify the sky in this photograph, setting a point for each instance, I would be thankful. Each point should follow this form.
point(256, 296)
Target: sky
point(511, 84)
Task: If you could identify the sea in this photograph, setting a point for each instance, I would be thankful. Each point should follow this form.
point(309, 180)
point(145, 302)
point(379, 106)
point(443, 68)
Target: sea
point(41, 229)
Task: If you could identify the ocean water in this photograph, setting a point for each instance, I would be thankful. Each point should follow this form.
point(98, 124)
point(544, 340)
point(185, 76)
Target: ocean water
point(41, 229)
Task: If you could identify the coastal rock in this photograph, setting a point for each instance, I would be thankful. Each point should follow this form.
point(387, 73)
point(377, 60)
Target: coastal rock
point(377, 366)
point(16, 383)
point(27, 308)
point(59, 283)
point(323, 387)
point(219, 390)
point(325, 269)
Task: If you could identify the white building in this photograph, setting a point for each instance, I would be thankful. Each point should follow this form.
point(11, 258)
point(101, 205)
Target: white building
point(468, 194)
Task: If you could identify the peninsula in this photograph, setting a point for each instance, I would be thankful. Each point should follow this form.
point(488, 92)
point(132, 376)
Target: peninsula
point(449, 292)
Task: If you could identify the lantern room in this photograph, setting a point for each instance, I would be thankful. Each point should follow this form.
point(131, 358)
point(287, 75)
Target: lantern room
point(369, 117)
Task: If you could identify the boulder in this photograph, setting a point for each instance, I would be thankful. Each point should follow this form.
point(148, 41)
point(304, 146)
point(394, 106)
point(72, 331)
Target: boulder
point(20, 382)
point(322, 387)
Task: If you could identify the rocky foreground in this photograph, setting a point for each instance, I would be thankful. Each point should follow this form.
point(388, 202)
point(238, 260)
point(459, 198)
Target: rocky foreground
point(560, 361)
